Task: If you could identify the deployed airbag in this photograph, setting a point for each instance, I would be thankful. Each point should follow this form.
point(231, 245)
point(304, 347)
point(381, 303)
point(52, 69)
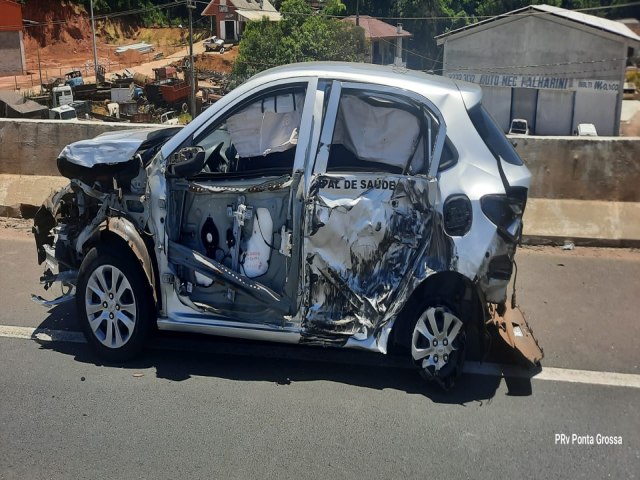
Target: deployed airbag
point(376, 133)
point(267, 126)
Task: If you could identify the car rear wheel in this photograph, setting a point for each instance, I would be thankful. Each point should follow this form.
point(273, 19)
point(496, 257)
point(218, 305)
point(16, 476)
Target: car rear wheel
point(114, 304)
point(438, 336)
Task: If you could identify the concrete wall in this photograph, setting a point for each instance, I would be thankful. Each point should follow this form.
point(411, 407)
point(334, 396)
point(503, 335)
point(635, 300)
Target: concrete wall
point(31, 147)
point(604, 168)
point(11, 53)
point(562, 167)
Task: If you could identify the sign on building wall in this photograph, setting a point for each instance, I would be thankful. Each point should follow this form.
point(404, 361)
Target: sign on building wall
point(536, 81)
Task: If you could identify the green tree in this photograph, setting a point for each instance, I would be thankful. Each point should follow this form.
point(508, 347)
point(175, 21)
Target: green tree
point(334, 8)
point(301, 36)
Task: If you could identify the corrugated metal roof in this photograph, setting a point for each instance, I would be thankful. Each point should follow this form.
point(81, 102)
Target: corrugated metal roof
point(632, 23)
point(374, 28)
point(591, 20)
point(258, 14)
point(241, 5)
point(599, 23)
point(19, 104)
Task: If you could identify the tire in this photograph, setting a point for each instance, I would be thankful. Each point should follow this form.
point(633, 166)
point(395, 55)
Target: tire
point(116, 318)
point(437, 342)
point(221, 50)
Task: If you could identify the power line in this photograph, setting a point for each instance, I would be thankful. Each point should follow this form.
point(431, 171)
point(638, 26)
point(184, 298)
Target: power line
point(103, 16)
point(453, 19)
point(443, 17)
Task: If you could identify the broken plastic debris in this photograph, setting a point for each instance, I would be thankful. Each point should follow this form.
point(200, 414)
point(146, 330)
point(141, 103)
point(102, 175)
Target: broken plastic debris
point(568, 245)
point(44, 337)
point(138, 375)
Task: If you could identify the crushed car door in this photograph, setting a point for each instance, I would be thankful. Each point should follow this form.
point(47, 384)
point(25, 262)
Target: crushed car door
point(370, 210)
point(236, 208)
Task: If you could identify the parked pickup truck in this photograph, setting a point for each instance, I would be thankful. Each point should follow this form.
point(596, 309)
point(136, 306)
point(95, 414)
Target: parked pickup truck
point(214, 44)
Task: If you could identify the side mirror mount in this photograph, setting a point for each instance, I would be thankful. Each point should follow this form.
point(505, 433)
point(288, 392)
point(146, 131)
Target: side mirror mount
point(186, 162)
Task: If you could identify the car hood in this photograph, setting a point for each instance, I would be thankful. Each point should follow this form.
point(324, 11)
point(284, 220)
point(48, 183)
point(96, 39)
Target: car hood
point(111, 148)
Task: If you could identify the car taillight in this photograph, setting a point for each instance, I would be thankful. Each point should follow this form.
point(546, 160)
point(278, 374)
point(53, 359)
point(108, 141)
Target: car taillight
point(506, 211)
point(457, 215)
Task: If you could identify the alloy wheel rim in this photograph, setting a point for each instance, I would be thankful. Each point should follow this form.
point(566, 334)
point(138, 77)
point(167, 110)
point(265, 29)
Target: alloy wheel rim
point(434, 338)
point(110, 306)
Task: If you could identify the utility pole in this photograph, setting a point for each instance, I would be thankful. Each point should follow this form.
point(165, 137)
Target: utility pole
point(95, 50)
point(192, 98)
point(398, 60)
point(33, 23)
point(39, 68)
point(358, 13)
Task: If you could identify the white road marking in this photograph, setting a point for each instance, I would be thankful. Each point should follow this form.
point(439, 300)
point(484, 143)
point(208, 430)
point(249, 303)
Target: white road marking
point(612, 379)
point(41, 334)
point(588, 377)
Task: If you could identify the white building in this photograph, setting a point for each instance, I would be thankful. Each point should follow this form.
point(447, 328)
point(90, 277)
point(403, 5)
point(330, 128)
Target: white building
point(556, 68)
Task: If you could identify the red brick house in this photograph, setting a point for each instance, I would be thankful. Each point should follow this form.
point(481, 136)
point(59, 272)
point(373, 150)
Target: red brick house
point(230, 16)
point(383, 37)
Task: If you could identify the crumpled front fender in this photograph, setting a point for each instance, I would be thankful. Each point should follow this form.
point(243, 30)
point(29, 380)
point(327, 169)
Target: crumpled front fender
point(124, 229)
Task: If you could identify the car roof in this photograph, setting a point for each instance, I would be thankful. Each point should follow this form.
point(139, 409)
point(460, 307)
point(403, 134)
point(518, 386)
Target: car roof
point(435, 87)
point(382, 74)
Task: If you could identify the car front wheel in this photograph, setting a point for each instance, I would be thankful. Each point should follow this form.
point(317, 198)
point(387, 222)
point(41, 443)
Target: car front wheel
point(114, 304)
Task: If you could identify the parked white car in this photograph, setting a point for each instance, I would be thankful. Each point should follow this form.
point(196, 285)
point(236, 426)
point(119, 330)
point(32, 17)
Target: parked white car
point(170, 118)
point(332, 204)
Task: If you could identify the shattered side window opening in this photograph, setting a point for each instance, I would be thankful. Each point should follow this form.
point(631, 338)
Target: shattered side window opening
point(376, 131)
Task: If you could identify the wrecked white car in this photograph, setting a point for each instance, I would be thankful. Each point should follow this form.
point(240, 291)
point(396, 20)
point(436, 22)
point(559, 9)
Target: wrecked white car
point(327, 204)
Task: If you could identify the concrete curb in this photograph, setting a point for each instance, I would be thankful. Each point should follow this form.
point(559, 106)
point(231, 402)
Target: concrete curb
point(579, 242)
point(547, 221)
point(21, 210)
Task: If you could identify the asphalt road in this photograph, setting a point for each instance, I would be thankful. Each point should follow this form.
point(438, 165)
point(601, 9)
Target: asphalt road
point(198, 407)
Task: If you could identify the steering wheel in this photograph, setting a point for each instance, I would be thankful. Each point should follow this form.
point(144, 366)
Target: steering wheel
point(215, 159)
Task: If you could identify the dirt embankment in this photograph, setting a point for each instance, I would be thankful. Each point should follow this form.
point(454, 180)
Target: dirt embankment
point(64, 41)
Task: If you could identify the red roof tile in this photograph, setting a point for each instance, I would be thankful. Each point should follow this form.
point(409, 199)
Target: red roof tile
point(374, 28)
